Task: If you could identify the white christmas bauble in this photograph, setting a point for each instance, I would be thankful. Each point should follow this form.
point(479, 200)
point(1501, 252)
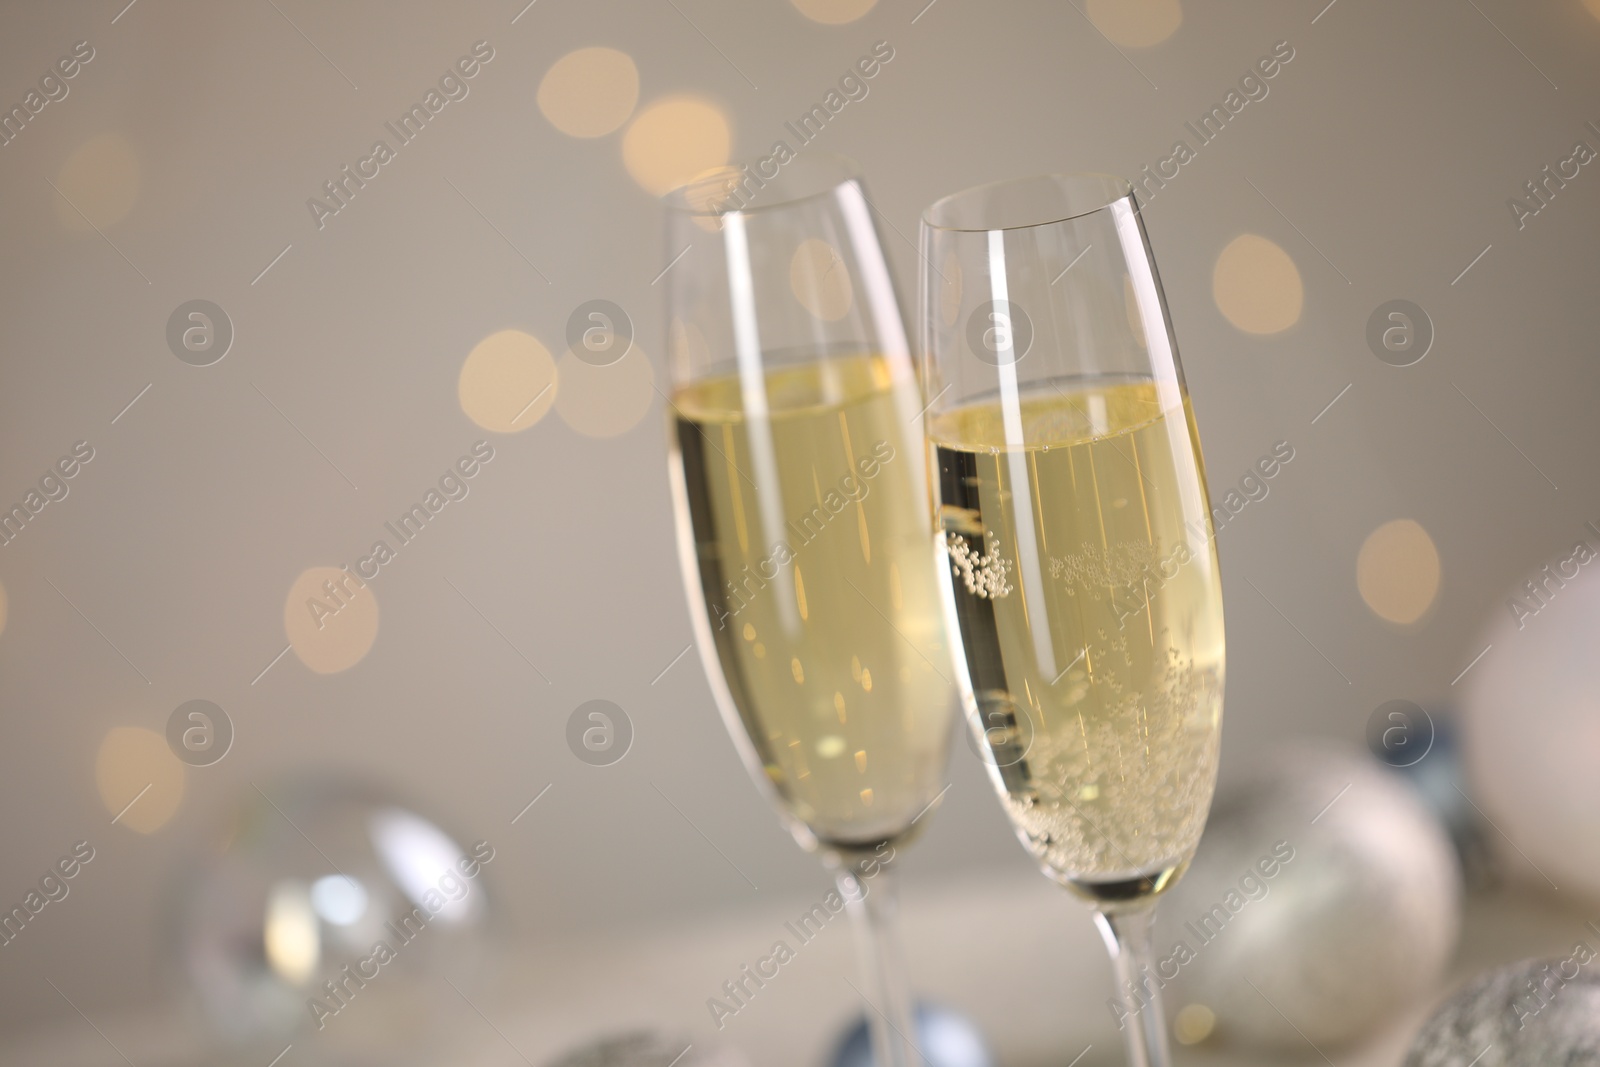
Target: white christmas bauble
point(1323, 899)
point(1531, 732)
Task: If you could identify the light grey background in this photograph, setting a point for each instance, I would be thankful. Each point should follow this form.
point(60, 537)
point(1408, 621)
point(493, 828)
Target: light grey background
point(1392, 141)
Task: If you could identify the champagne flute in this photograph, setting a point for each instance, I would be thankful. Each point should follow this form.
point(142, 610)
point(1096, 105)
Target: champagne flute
point(804, 522)
point(1080, 577)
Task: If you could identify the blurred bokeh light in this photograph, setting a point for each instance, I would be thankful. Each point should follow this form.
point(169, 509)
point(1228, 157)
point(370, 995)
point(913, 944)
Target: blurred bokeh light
point(507, 382)
point(1397, 571)
point(672, 140)
point(141, 782)
point(1136, 23)
point(1257, 286)
point(331, 618)
point(590, 92)
point(98, 184)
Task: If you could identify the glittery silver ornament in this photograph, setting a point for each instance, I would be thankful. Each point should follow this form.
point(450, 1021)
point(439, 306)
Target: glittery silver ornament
point(1538, 1013)
point(1324, 898)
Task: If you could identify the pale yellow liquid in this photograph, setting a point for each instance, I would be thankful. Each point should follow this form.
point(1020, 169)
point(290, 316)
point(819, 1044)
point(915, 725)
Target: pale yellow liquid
point(1090, 624)
point(834, 660)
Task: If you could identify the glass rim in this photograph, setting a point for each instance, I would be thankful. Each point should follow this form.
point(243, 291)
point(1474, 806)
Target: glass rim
point(1074, 195)
point(809, 177)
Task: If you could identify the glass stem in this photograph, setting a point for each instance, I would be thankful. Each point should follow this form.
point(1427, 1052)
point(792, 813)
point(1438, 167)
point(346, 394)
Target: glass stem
point(1141, 1019)
point(872, 901)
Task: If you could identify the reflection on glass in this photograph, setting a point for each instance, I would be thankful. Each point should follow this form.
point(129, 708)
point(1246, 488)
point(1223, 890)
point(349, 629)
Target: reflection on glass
point(424, 862)
point(290, 936)
point(339, 899)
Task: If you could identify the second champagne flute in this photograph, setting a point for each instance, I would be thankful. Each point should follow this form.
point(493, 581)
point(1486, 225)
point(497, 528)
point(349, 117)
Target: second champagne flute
point(1081, 575)
point(804, 524)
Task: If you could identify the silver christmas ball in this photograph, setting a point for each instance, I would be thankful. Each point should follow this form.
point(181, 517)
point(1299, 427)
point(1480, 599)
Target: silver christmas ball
point(1324, 897)
point(1531, 1014)
point(330, 914)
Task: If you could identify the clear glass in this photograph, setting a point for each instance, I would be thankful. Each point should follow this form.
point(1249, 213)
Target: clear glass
point(804, 524)
point(1079, 574)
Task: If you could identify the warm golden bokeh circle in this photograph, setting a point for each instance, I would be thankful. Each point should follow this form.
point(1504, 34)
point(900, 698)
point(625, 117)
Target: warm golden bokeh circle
point(674, 139)
point(140, 780)
point(1256, 285)
point(101, 179)
point(508, 382)
point(1593, 6)
point(833, 12)
point(330, 630)
point(589, 92)
point(1397, 571)
point(605, 401)
point(1136, 23)
point(820, 280)
point(1193, 1024)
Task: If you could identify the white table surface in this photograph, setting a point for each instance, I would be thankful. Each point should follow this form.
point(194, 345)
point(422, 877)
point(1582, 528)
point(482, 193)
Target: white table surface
point(1017, 956)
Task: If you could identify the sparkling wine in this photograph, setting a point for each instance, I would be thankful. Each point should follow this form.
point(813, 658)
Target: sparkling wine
point(1087, 607)
point(805, 493)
